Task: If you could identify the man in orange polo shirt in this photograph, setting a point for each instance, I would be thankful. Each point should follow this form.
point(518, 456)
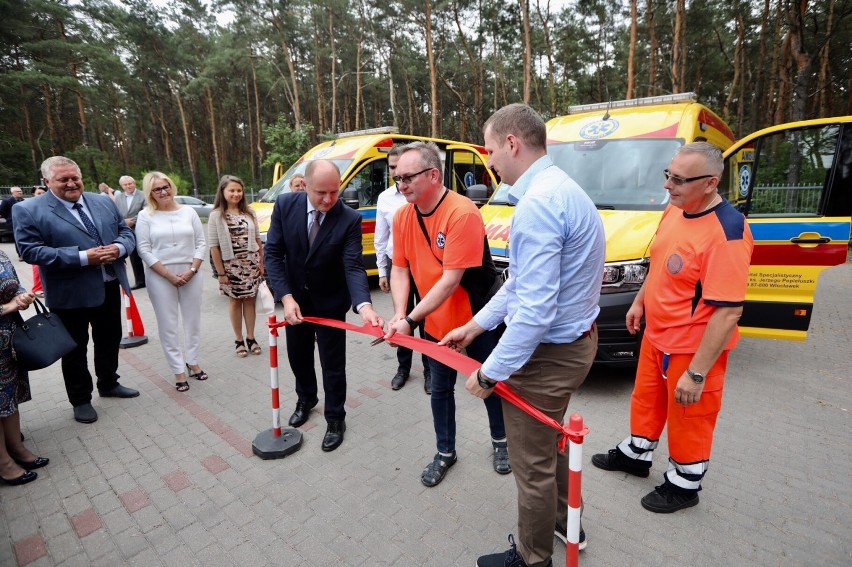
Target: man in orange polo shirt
point(437, 236)
point(691, 300)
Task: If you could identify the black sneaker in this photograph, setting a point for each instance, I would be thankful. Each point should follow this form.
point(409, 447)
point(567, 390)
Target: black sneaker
point(435, 471)
point(501, 457)
point(509, 558)
point(666, 499)
point(562, 534)
point(614, 460)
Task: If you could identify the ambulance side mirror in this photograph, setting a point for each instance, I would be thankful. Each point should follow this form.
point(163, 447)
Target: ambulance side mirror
point(478, 194)
point(350, 198)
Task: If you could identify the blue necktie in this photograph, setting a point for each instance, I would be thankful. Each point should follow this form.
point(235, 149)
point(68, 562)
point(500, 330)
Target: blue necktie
point(93, 232)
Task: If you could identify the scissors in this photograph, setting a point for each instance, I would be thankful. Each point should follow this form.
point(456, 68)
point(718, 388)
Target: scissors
point(377, 341)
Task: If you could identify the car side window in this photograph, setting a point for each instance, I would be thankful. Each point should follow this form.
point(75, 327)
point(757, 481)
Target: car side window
point(784, 173)
point(370, 181)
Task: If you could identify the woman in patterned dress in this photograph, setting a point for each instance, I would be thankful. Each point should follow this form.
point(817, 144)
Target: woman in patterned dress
point(16, 461)
point(237, 253)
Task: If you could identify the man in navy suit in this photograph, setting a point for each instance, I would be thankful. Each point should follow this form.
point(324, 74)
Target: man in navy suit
point(79, 244)
point(313, 259)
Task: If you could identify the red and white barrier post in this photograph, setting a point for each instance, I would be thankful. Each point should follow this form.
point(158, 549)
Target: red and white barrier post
point(275, 443)
point(133, 323)
point(576, 431)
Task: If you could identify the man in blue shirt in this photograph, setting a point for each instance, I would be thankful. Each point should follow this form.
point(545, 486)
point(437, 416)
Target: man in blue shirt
point(549, 305)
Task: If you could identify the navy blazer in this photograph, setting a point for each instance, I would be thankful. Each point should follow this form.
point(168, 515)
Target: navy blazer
point(50, 236)
point(332, 272)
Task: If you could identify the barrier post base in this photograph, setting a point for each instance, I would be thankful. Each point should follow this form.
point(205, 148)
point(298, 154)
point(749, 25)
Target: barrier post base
point(267, 446)
point(130, 342)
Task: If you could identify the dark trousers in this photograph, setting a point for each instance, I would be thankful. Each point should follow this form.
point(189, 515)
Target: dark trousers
point(105, 321)
point(332, 353)
point(405, 355)
point(138, 268)
point(443, 396)
point(547, 381)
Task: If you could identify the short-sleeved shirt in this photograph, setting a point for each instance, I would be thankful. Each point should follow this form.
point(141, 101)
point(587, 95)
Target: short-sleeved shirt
point(456, 237)
point(698, 262)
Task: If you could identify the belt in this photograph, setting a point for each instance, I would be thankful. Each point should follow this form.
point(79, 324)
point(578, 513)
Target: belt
point(589, 332)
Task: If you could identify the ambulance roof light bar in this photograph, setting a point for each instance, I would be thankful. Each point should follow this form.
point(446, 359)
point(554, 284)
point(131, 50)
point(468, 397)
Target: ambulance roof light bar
point(647, 101)
point(380, 130)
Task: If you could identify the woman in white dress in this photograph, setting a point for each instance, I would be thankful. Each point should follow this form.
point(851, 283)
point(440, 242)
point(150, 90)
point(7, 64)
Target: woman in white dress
point(170, 240)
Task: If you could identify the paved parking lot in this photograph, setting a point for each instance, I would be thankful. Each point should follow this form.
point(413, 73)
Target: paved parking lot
point(170, 479)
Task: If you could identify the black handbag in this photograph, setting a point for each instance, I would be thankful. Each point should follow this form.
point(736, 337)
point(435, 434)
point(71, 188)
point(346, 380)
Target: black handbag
point(40, 340)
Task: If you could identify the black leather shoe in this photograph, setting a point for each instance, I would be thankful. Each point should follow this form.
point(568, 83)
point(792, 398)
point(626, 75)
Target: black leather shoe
point(300, 416)
point(30, 465)
point(85, 413)
point(427, 382)
point(28, 476)
point(398, 381)
point(138, 286)
point(120, 392)
point(333, 435)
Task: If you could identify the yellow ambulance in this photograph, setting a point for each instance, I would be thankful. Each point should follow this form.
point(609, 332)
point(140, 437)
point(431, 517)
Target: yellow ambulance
point(361, 157)
point(617, 153)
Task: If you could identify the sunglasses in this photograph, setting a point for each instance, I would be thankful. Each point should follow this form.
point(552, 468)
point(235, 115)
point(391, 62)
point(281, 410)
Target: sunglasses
point(408, 178)
point(678, 180)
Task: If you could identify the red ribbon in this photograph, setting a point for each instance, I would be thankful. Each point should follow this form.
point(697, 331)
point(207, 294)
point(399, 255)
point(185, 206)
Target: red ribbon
point(456, 361)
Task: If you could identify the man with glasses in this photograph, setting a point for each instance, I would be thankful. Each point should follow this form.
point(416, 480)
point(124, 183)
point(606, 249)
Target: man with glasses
point(79, 243)
point(389, 202)
point(437, 236)
point(691, 301)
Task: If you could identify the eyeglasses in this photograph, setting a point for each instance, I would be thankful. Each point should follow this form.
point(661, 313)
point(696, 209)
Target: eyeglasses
point(678, 180)
point(163, 189)
point(407, 178)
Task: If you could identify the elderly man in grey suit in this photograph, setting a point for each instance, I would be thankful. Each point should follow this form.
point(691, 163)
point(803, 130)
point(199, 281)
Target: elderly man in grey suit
point(79, 244)
point(129, 204)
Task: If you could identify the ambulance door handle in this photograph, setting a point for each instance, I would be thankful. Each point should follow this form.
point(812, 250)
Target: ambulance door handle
point(811, 238)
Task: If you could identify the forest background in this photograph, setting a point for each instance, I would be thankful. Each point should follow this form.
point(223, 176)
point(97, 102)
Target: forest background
point(200, 88)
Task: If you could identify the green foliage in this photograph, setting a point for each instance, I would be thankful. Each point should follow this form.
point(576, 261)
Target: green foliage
point(286, 143)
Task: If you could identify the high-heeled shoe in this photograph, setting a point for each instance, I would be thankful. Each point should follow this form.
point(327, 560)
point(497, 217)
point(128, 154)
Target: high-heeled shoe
point(28, 476)
point(200, 375)
point(30, 465)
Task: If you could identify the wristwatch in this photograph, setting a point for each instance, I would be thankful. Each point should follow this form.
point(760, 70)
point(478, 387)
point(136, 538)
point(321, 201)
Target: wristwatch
point(696, 377)
point(193, 270)
point(483, 383)
point(411, 323)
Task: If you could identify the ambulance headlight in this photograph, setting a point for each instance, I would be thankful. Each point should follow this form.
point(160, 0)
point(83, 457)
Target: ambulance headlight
point(616, 274)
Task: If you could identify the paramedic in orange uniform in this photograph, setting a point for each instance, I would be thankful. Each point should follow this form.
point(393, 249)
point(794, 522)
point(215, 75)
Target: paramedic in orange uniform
point(691, 300)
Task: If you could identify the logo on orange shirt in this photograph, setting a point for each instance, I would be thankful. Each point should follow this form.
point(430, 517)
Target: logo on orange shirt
point(441, 240)
point(674, 264)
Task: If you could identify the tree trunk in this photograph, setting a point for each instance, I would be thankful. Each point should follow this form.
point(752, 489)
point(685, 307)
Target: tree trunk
point(678, 47)
point(631, 56)
point(433, 72)
point(548, 45)
point(288, 58)
point(757, 93)
point(259, 124)
point(213, 131)
point(525, 33)
point(28, 127)
point(652, 49)
point(186, 137)
point(726, 108)
point(252, 164)
point(334, 127)
point(777, 89)
point(824, 90)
